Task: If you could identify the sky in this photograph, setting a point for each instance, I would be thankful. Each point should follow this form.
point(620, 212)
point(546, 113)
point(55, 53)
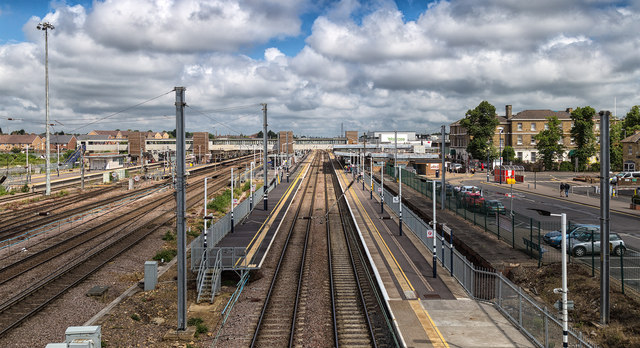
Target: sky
point(319, 65)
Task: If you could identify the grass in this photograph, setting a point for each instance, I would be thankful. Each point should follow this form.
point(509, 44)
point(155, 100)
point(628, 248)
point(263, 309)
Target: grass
point(169, 236)
point(166, 255)
point(222, 202)
point(135, 317)
point(199, 324)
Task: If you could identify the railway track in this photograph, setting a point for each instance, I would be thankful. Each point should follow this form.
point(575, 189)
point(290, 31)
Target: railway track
point(360, 318)
point(277, 321)
point(32, 299)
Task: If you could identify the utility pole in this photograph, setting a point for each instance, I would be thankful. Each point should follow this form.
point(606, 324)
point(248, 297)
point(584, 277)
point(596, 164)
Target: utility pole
point(266, 158)
point(232, 200)
point(371, 177)
point(251, 185)
point(395, 157)
point(442, 171)
point(435, 248)
point(288, 165)
point(400, 201)
point(382, 188)
point(604, 217)
point(82, 166)
point(181, 199)
point(46, 26)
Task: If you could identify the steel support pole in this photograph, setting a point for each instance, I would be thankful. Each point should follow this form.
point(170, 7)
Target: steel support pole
point(47, 191)
point(232, 222)
point(565, 290)
point(435, 247)
point(181, 199)
point(371, 177)
point(604, 217)
point(400, 200)
point(266, 157)
point(382, 188)
point(442, 171)
point(82, 167)
point(251, 186)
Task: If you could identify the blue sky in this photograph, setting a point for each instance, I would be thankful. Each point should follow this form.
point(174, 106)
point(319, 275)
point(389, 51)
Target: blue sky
point(369, 64)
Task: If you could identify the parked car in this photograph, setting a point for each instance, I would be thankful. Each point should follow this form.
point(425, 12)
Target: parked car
point(457, 168)
point(554, 238)
point(581, 244)
point(473, 200)
point(493, 207)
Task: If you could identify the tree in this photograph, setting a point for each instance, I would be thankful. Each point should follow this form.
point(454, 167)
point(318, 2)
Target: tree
point(582, 133)
point(632, 120)
point(18, 132)
point(272, 135)
point(615, 147)
point(260, 135)
point(549, 142)
point(508, 154)
point(481, 124)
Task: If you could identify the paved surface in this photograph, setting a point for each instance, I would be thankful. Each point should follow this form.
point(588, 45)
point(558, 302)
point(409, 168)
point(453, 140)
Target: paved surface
point(429, 312)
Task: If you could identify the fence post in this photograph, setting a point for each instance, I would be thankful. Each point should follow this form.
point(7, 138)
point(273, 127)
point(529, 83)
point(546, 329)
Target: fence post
point(530, 232)
point(621, 270)
point(485, 221)
point(513, 231)
point(519, 307)
point(593, 262)
point(498, 219)
point(546, 327)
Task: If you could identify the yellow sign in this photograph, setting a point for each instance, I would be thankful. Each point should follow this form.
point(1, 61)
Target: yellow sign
point(511, 181)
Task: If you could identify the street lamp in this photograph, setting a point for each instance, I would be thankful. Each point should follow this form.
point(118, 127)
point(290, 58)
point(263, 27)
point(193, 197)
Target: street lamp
point(46, 26)
point(488, 154)
point(500, 129)
point(564, 290)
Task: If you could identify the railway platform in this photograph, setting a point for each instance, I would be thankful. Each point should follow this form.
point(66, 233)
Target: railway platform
point(427, 311)
point(251, 239)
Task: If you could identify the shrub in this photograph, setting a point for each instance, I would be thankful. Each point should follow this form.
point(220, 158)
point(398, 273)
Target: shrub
point(222, 202)
point(166, 255)
point(135, 317)
point(595, 167)
point(194, 321)
point(635, 199)
point(169, 236)
point(25, 188)
point(566, 166)
point(246, 186)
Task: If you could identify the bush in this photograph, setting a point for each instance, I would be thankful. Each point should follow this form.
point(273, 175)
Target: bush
point(166, 255)
point(595, 167)
point(566, 166)
point(169, 236)
point(25, 188)
point(194, 321)
point(635, 199)
point(222, 202)
point(135, 317)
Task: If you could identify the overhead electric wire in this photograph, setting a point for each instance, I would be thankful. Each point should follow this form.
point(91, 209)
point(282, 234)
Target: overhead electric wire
point(231, 108)
point(123, 110)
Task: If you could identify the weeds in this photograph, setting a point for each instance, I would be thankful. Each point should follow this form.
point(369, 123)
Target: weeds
point(166, 255)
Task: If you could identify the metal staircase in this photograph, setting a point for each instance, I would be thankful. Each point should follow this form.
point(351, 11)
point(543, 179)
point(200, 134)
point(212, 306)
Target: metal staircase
point(74, 156)
point(209, 278)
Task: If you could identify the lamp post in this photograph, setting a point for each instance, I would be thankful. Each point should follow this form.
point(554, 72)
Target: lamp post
point(488, 154)
point(564, 289)
point(500, 129)
point(45, 27)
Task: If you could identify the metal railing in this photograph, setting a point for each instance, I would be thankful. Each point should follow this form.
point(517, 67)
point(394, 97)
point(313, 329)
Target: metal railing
point(533, 319)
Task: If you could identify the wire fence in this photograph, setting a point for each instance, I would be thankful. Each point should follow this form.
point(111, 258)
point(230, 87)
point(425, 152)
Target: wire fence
point(528, 234)
point(533, 319)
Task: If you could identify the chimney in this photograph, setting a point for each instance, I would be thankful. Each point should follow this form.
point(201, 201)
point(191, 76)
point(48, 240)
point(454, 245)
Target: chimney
point(569, 110)
point(508, 112)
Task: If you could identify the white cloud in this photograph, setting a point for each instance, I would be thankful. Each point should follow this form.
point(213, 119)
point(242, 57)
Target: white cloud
point(364, 64)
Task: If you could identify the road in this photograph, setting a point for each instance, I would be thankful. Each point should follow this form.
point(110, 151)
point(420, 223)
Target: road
point(622, 223)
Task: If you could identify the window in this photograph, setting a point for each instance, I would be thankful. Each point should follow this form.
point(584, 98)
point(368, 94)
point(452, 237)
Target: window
point(519, 140)
point(630, 150)
point(519, 155)
point(533, 127)
point(533, 140)
point(533, 156)
point(519, 126)
point(501, 142)
point(546, 126)
point(572, 140)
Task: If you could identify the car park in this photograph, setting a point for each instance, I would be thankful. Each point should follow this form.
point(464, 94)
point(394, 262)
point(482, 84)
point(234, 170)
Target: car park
point(554, 238)
point(582, 244)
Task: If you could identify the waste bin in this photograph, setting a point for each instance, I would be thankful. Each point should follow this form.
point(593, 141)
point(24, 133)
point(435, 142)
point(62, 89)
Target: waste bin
point(437, 173)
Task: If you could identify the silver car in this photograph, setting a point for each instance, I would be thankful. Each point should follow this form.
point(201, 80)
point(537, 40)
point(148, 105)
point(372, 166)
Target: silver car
point(581, 244)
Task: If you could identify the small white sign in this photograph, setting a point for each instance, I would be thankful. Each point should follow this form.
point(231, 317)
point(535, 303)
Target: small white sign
point(136, 178)
point(114, 174)
point(429, 233)
point(235, 201)
point(396, 199)
point(379, 189)
point(253, 188)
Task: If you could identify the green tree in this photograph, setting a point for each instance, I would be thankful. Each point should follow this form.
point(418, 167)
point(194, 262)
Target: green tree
point(549, 142)
point(272, 135)
point(615, 147)
point(18, 132)
point(508, 154)
point(582, 133)
point(481, 124)
point(632, 120)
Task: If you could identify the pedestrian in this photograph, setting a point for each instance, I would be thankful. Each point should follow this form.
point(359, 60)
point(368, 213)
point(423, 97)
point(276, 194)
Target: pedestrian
point(561, 188)
point(566, 190)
